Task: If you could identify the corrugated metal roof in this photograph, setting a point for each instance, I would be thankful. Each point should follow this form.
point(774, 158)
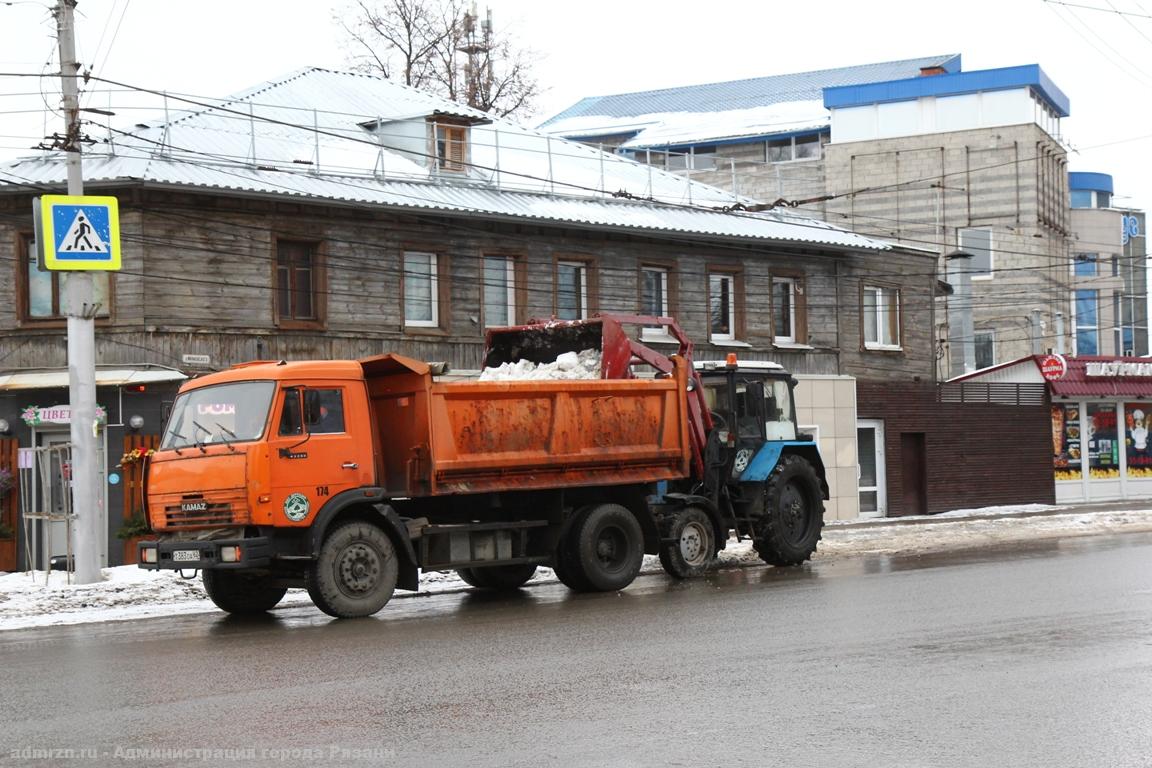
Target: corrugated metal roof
point(305, 136)
point(748, 93)
point(1087, 377)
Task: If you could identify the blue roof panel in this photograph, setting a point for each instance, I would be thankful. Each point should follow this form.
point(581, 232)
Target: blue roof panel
point(749, 93)
point(951, 83)
point(1097, 182)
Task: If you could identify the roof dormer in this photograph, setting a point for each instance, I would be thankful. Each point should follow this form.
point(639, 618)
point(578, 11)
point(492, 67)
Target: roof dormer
point(450, 141)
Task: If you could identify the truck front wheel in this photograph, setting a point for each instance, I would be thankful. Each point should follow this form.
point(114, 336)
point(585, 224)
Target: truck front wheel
point(355, 573)
point(793, 513)
point(243, 593)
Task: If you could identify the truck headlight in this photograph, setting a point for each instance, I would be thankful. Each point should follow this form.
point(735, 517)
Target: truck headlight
point(148, 554)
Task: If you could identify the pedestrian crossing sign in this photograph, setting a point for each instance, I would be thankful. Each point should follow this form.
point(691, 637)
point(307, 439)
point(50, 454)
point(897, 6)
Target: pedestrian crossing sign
point(79, 232)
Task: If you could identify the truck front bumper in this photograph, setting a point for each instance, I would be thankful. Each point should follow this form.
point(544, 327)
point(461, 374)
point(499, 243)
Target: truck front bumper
point(176, 555)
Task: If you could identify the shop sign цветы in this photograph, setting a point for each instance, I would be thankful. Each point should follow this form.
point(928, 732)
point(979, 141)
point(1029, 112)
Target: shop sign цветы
point(35, 415)
point(1119, 369)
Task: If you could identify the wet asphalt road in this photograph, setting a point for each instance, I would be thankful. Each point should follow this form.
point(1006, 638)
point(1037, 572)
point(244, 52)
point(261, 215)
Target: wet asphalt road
point(1030, 656)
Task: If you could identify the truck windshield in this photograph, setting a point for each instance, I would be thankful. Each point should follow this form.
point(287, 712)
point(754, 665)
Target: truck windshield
point(225, 413)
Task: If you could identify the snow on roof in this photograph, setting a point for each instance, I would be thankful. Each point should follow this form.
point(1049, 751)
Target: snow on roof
point(338, 136)
point(647, 109)
point(698, 127)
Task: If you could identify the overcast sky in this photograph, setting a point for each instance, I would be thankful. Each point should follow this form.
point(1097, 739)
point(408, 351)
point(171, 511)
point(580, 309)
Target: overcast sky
point(1101, 59)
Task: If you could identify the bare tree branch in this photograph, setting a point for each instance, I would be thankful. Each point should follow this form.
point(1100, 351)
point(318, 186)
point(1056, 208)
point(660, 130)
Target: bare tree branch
point(438, 46)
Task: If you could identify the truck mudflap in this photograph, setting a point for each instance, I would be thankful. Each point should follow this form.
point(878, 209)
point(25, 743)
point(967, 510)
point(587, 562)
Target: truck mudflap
point(222, 554)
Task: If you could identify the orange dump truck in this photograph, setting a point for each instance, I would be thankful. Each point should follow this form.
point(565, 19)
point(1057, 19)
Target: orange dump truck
point(349, 477)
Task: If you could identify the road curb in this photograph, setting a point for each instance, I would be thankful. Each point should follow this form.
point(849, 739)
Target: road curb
point(1063, 509)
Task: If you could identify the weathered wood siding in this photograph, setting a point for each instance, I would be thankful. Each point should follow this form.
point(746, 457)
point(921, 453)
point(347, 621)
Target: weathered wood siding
point(199, 276)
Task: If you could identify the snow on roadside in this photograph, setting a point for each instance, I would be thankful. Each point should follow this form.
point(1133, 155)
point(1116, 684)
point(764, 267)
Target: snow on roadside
point(128, 592)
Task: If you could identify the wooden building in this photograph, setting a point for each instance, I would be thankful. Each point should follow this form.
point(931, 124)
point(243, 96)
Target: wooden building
point(331, 215)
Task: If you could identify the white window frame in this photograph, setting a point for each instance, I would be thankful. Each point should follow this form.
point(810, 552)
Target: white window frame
point(663, 272)
point(656, 333)
point(1092, 258)
point(881, 487)
point(791, 283)
point(991, 334)
point(991, 252)
point(434, 288)
point(582, 297)
point(880, 292)
point(721, 278)
point(1077, 326)
point(792, 149)
point(510, 290)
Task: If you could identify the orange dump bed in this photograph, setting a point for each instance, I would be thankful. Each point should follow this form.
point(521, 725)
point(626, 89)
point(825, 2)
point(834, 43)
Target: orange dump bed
point(467, 437)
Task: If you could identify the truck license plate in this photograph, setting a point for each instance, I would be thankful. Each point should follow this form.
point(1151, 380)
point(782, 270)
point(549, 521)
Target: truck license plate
point(186, 556)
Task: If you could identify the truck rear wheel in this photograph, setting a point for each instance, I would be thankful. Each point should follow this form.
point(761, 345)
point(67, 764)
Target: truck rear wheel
point(694, 546)
point(788, 532)
point(503, 578)
point(244, 593)
point(605, 549)
point(355, 573)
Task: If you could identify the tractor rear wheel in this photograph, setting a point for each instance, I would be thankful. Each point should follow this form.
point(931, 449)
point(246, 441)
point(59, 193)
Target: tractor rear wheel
point(793, 518)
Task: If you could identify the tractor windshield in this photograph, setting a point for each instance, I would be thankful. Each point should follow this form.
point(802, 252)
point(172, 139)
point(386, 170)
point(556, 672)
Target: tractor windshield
point(779, 419)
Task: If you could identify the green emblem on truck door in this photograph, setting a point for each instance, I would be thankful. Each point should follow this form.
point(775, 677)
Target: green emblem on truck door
point(296, 507)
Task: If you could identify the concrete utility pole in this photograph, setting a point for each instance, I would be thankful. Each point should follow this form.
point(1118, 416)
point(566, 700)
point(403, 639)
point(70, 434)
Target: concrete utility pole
point(89, 536)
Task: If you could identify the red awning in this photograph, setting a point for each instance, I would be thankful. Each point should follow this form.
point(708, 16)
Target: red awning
point(1072, 377)
point(1103, 377)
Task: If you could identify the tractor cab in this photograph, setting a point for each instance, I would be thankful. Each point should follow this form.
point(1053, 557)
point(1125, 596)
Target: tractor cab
point(754, 416)
point(753, 399)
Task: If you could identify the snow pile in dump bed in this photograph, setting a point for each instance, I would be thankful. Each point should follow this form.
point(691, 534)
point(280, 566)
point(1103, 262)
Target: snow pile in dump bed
point(569, 365)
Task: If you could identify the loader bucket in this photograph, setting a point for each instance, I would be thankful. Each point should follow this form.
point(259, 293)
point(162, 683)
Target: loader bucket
point(543, 342)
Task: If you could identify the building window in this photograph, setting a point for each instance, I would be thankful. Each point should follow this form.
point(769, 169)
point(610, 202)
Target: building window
point(654, 291)
point(45, 294)
point(451, 147)
point(881, 317)
point(978, 242)
point(722, 306)
point(499, 290)
point(1082, 198)
point(1087, 323)
point(787, 300)
point(1125, 330)
point(807, 147)
point(1084, 265)
point(297, 284)
point(571, 290)
point(421, 290)
point(693, 158)
point(985, 349)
